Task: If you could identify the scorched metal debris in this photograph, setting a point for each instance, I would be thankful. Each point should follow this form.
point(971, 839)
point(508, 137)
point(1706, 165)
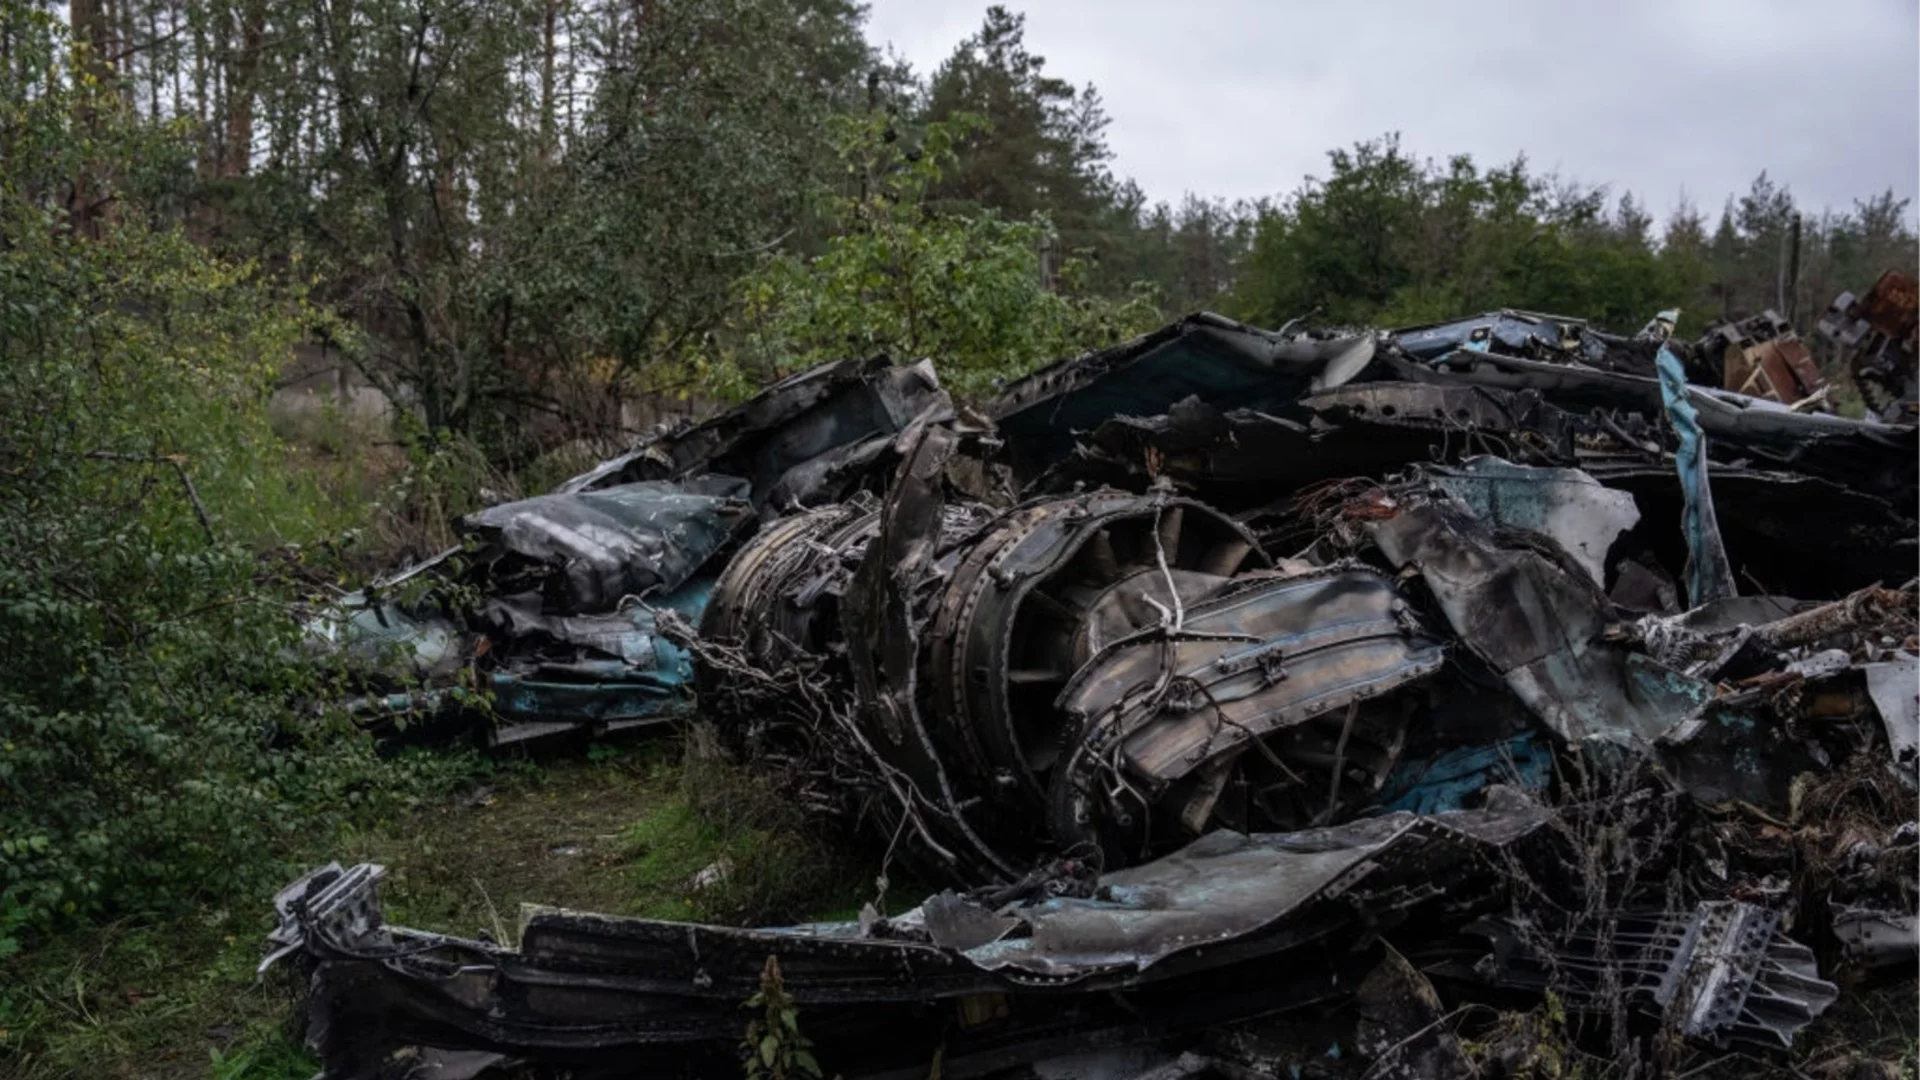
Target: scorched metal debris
point(1221, 673)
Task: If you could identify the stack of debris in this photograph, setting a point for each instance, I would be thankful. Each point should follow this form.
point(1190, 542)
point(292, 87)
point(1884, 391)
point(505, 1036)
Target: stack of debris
point(1224, 673)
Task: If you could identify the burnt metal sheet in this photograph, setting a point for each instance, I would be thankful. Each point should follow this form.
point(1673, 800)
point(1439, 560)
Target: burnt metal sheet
point(1205, 356)
point(1567, 506)
point(1866, 455)
point(1535, 620)
point(1245, 458)
point(777, 439)
point(1792, 534)
point(1231, 928)
point(1227, 887)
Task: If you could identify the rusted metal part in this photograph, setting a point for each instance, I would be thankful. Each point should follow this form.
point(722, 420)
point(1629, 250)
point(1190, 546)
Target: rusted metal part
point(1869, 609)
point(1763, 357)
point(1879, 342)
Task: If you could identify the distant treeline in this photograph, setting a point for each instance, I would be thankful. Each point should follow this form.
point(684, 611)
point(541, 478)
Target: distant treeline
point(521, 210)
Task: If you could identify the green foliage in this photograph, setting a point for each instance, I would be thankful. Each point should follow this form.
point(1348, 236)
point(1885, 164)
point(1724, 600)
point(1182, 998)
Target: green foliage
point(1389, 240)
point(1042, 147)
point(774, 1048)
point(148, 755)
point(901, 277)
point(518, 204)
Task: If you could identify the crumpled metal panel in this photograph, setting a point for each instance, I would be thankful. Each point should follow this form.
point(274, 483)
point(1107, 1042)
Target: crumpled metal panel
point(596, 547)
point(1244, 457)
point(1230, 887)
point(1567, 506)
point(779, 439)
point(1866, 455)
point(1536, 622)
point(1448, 410)
point(1554, 339)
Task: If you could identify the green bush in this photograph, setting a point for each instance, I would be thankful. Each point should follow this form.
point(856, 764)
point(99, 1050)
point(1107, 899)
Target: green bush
point(898, 276)
point(149, 754)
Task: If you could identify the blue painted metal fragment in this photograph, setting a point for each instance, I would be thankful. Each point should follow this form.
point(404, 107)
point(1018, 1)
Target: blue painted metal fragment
point(1448, 780)
point(1709, 573)
point(651, 680)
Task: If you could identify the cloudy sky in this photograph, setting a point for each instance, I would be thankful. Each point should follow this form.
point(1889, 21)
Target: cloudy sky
point(1664, 98)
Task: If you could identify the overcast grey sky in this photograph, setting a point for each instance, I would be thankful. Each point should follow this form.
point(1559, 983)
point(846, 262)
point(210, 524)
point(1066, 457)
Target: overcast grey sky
point(1239, 98)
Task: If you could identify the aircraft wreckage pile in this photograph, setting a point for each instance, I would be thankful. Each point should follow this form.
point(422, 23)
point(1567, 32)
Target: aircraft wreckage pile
point(1229, 676)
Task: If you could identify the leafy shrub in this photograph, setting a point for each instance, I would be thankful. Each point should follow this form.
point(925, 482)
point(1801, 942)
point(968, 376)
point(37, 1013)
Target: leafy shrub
point(901, 276)
point(149, 756)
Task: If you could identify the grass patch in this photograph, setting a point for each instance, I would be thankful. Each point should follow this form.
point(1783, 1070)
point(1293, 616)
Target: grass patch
point(625, 831)
point(156, 999)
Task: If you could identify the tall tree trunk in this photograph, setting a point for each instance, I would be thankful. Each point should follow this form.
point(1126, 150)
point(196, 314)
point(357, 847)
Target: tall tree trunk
point(92, 38)
point(547, 117)
point(243, 78)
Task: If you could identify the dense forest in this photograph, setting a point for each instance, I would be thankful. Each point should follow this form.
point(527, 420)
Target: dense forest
point(512, 213)
point(516, 219)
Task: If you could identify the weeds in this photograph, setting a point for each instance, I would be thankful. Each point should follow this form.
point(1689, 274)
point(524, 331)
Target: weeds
point(774, 1049)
